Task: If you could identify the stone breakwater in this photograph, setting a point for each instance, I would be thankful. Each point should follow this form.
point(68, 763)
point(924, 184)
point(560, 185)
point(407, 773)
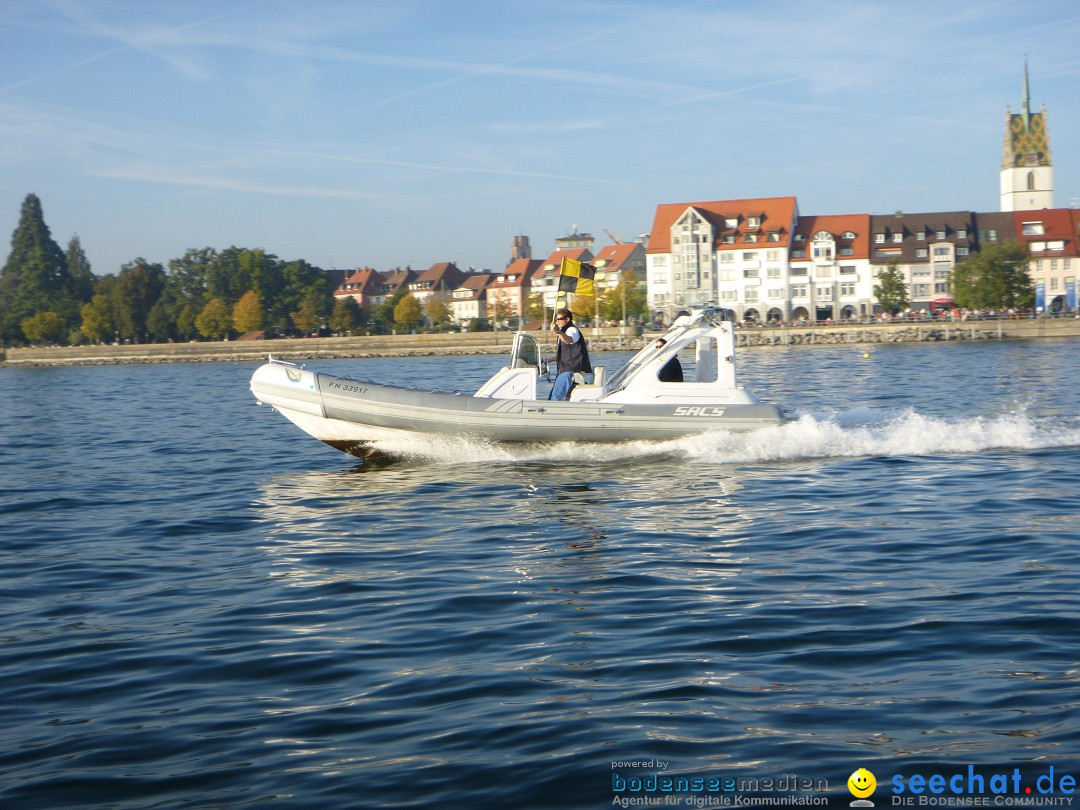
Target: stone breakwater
point(915, 333)
point(600, 340)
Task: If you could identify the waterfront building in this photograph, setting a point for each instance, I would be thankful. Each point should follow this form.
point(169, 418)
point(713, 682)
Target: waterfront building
point(362, 285)
point(720, 252)
point(574, 240)
point(1051, 235)
point(830, 276)
point(440, 279)
point(508, 292)
point(545, 279)
point(613, 262)
point(926, 248)
point(469, 301)
point(1027, 171)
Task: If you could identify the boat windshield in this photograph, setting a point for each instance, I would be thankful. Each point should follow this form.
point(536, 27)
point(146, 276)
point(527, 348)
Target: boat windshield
point(526, 352)
point(682, 326)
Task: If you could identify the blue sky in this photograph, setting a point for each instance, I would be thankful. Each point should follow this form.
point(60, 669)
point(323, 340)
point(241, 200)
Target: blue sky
point(351, 133)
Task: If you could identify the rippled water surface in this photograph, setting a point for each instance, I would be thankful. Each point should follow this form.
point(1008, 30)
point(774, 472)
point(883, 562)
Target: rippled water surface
point(204, 607)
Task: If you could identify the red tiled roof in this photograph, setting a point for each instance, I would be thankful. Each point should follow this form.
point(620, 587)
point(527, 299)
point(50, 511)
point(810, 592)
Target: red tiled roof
point(447, 273)
point(520, 270)
point(615, 256)
point(777, 213)
point(1058, 224)
point(837, 225)
point(359, 281)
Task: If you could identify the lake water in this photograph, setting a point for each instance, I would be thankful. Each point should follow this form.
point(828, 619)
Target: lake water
point(204, 607)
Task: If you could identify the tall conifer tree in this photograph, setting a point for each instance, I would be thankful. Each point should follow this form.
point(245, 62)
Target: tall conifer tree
point(35, 277)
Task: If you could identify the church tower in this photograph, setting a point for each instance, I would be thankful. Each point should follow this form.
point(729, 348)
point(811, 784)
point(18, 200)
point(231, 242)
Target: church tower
point(1027, 172)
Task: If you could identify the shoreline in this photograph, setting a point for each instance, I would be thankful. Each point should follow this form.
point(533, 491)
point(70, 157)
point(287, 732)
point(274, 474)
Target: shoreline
point(486, 343)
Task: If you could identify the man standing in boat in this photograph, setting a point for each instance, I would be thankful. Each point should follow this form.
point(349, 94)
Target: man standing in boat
point(571, 354)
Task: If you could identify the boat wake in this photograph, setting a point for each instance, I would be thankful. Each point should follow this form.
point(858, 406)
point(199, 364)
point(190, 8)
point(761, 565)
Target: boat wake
point(861, 432)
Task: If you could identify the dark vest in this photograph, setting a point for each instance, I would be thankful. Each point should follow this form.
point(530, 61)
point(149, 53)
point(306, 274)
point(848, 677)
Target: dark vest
point(573, 356)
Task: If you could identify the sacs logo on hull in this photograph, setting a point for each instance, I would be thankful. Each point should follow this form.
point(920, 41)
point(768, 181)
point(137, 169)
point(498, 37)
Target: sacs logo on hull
point(698, 410)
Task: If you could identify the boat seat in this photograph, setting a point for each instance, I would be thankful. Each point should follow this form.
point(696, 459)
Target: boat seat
point(588, 390)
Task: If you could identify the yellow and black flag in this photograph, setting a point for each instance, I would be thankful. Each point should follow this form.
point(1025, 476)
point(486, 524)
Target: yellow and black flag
point(576, 277)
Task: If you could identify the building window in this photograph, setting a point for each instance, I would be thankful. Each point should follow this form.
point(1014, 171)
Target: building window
point(993, 236)
point(776, 292)
point(799, 290)
point(753, 222)
point(848, 270)
point(749, 257)
point(732, 222)
point(751, 237)
point(1032, 229)
point(920, 290)
point(961, 251)
point(921, 236)
point(898, 237)
point(846, 251)
point(660, 278)
point(942, 251)
point(940, 235)
point(961, 234)
point(798, 253)
point(773, 236)
point(920, 253)
point(751, 295)
point(773, 272)
point(824, 293)
point(879, 239)
point(750, 272)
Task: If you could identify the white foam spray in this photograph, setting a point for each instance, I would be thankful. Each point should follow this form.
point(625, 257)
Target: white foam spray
point(854, 433)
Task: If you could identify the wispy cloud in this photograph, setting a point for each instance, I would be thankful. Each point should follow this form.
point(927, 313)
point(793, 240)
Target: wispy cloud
point(179, 177)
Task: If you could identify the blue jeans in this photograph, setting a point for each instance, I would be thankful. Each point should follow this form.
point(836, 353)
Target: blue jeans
point(564, 383)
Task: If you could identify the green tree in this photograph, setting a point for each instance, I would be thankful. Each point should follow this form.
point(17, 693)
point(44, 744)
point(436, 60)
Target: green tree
point(407, 312)
point(347, 315)
point(185, 295)
point(891, 291)
point(97, 320)
point(45, 327)
point(137, 288)
point(35, 276)
point(384, 312)
point(994, 278)
point(213, 321)
point(306, 318)
point(158, 324)
point(535, 308)
point(438, 311)
point(627, 292)
point(185, 322)
point(303, 282)
point(247, 315)
point(82, 277)
point(501, 312)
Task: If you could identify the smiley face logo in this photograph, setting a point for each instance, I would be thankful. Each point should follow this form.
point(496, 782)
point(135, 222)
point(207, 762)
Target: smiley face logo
point(861, 783)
